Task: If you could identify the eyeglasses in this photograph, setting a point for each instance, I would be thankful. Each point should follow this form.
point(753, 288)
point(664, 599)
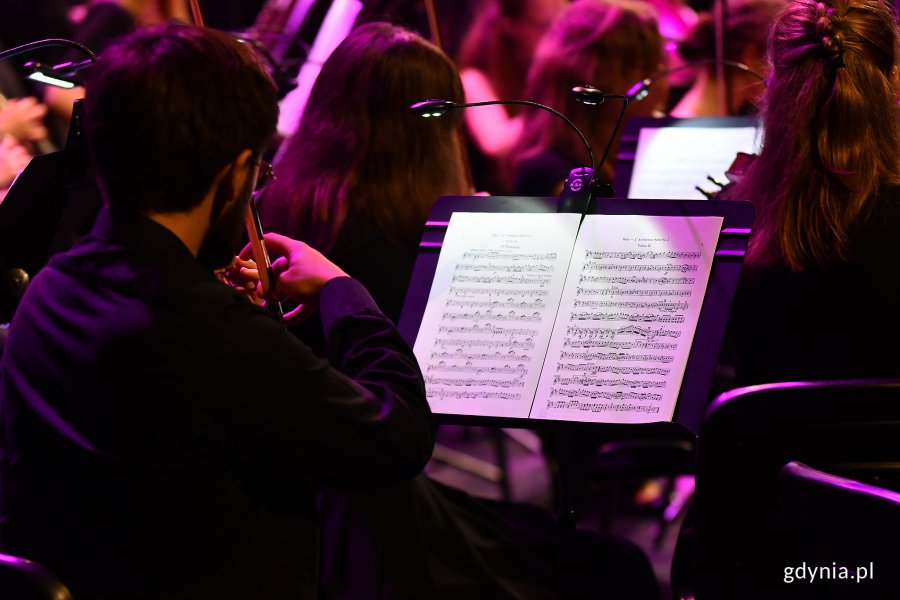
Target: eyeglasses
point(264, 175)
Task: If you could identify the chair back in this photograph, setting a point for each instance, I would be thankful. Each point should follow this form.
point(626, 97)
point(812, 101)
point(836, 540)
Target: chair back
point(27, 580)
point(850, 428)
point(842, 533)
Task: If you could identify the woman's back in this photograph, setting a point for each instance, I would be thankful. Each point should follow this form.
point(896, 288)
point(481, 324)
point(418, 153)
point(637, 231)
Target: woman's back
point(820, 288)
point(360, 174)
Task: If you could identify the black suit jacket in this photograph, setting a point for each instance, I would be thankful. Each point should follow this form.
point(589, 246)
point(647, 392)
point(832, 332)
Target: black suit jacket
point(159, 434)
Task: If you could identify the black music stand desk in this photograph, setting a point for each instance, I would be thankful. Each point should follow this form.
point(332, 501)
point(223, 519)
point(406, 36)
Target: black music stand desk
point(698, 376)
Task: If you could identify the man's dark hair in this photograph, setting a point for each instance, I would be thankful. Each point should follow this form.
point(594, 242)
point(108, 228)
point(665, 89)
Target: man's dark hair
point(167, 108)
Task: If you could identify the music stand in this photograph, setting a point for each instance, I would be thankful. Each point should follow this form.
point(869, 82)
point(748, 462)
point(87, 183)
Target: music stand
point(52, 203)
point(695, 388)
point(629, 149)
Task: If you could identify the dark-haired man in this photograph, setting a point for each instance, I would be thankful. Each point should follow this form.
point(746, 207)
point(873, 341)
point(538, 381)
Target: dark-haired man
point(158, 432)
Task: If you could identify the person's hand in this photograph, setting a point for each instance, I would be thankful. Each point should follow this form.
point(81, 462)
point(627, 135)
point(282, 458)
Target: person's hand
point(23, 119)
point(243, 276)
point(300, 272)
point(13, 158)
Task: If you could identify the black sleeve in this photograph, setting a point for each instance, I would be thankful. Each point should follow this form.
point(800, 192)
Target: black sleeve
point(364, 422)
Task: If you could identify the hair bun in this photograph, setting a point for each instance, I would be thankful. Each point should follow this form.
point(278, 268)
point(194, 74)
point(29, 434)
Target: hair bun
point(827, 30)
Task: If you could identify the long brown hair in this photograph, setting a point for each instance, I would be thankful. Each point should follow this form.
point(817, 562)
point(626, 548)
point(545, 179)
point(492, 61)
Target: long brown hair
point(609, 44)
point(502, 39)
point(831, 137)
point(359, 151)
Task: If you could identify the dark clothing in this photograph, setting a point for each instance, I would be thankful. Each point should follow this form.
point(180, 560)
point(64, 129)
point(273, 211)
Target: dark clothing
point(421, 539)
point(103, 25)
point(159, 434)
point(839, 322)
point(364, 253)
point(543, 174)
point(25, 22)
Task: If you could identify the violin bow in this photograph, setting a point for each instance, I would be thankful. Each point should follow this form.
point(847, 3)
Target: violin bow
point(432, 23)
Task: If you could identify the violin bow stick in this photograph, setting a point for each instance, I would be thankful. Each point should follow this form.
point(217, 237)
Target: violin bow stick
point(196, 14)
point(433, 23)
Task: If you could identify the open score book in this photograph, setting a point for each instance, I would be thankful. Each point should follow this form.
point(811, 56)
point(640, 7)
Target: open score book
point(533, 316)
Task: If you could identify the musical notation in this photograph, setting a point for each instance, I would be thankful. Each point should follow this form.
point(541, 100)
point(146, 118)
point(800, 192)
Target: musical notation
point(611, 332)
point(660, 305)
point(619, 356)
point(526, 344)
point(524, 268)
point(595, 368)
point(500, 304)
point(601, 382)
point(633, 292)
point(441, 367)
point(595, 320)
point(504, 383)
point(487, 329)
point(603, 406)
point(510, 279)
point(443, 394)
point(662, 268)
point(634, 279)
point(637, 345)
point(466, 292)
point(635, 318)
point(468, 356)
point(497, 255)
point(489, 315)
point(648, 255)
point(605, 394)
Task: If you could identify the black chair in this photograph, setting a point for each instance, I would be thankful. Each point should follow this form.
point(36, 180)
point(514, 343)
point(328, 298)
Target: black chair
point(22, 579)
point(850, 428)
point(848, 527)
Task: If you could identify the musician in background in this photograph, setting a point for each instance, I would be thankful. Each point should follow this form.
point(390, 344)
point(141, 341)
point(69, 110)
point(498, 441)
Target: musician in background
point(746, 29)
point(493, 60)
point(159, 434)
point(361, 172)
point(609, 44)
point(13, 158)
point(101, 24)
point(819, 292)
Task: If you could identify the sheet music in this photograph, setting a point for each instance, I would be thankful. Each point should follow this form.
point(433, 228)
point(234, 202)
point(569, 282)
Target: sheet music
point(491, 310)
point(627, 318)
point(671, 161)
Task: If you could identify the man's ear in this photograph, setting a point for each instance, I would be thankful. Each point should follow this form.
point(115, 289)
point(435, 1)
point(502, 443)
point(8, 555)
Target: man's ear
point(240, 171)
point(228, 183)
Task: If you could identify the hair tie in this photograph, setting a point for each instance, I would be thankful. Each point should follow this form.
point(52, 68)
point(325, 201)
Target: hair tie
point(834, 54)
point(830, 41)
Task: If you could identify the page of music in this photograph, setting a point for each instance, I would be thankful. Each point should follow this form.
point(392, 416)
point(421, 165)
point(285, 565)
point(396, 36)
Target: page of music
point(531, 317)
point(491, 310)
point(627, 318)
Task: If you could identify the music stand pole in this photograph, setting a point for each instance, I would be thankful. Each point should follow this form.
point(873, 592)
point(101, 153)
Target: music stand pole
point(567, 518)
